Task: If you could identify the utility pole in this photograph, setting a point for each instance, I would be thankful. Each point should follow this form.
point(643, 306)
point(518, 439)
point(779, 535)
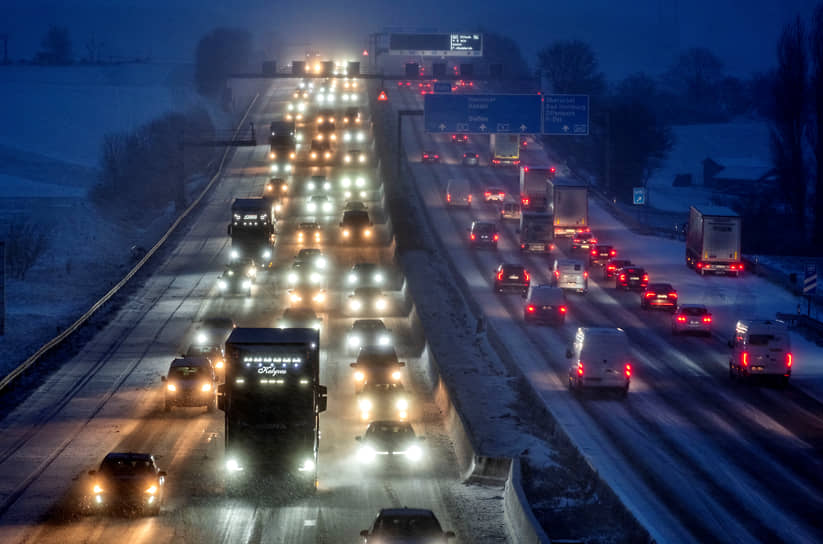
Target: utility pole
point(5, 38)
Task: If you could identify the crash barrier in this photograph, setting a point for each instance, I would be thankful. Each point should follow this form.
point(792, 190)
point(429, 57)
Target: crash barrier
point(12, 376)
point(801, 321)
point(521, 520)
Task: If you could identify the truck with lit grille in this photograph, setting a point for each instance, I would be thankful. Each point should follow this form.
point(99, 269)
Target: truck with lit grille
point(252, 231)
point(272, 401)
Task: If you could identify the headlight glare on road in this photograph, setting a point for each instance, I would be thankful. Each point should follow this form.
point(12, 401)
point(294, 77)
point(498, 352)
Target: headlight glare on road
point(205, 388)
point(151, 490)
point(365, 405)
point(234, 254)
point(97, 489)
point(366, 454)
point(171, 387)
point(307, 466)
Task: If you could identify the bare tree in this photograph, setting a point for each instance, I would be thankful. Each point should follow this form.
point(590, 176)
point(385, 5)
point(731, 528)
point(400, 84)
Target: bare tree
point(56, 48)
point(571, 67)
point(25, 243)
point(816, 134)
point(790, 121)
point(219, 53)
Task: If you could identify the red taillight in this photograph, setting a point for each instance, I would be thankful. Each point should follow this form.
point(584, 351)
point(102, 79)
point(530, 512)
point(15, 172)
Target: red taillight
point(579, 368)
point(526, 275)
point(744, 357)
point(650, 294)
point(399, 83)
point(552, 170)
point(585, 274)
point(470, 199)
point(425, 155)
point(645, 277)
point(789, 360)
point(594, 252)
point(488, 194)
point(525, 201)
point(707, 319)
point(500, 276)
point(682, 319)
point(496, 237)
point(699, 265)
point(437, 156)
point(622, 277)
point(563, 309)
point(613, 253)
point(530, 308)
point(464, 155)
point(473, 236)
point(448, 197)
point(628, 370)
point(556, 273)
point(611, 268)
point(672, 295)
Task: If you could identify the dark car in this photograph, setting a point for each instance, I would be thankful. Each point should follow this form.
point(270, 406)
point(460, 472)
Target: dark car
point(368, 332)
point(368, 300)
point(471, 158)
point(383, 401)
point(659, 295)
point(407, 526)
point(236, 278)
point(692, 318)
point(300, 318)
point(356, 225)
point(376, 364)
point(600, 254)
point(631, 277)
point(545, 304)
point(613, 265)
point(460, 138)
point(583, 240)
point(483, 233)
point(366, 275)
point(212, 352)
point(191, 382)
point(511, 277)
point(430, 157)
point(128, 482)
point(390, 442)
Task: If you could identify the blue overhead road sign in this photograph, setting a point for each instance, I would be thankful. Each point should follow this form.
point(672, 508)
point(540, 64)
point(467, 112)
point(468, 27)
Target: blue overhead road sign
point(482, 113)
point(566, 114)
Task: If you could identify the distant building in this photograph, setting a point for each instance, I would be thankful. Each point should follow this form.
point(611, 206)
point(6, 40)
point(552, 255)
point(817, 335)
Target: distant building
point(737, 176)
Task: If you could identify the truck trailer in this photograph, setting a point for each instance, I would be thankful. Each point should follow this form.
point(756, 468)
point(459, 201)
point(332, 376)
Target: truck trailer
point(533, 187)
point(505, 149)
point(713, 240)
point(272, 401)
point(568, 202)
point(536, 233)
point(252, 231)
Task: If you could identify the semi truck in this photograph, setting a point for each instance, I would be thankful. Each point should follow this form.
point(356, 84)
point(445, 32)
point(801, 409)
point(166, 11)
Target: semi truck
point(713, 240)
point(282, 146)
point(568, 202)
point(536, 232)
point(533, 187)
point(505, 149)
point(252, 231)
point(272, 400)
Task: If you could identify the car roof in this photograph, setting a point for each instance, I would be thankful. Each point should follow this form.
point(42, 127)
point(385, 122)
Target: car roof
point(406, 512)
point(483, 224)
point(512, 265)
point(309, 225)
point(569, 262)
point(299, 312)
point(390, 422)
point(368, 323)
point(309, 251)
point(129, 456)
point(190, 361)
point(635, 268)
point(546, 293)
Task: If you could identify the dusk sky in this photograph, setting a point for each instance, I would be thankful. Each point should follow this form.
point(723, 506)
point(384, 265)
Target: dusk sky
point(628, 36)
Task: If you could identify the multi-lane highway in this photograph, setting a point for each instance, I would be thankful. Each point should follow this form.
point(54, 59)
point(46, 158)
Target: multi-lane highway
point(696, 457)
point(109, 397)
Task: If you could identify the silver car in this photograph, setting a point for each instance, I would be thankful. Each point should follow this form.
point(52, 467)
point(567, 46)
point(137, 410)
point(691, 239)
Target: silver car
point(570, 274)
point(471, 159)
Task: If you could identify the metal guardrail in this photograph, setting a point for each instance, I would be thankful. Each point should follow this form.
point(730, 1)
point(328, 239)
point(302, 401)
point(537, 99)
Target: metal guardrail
point(57, 340)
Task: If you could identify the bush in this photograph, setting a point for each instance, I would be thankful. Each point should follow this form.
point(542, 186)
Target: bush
point(25, 243)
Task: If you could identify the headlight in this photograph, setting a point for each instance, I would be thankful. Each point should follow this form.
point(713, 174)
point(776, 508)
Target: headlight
point(345, 182)
point(352, 278)
point(319, 297)
point(347, 159)
point(222, 285)
point(378, 278)
point(97, 489)
point(152, 490)
point(362, 158)
point(380, 304)
point(234, 254)
point(354, 341)
point(310, 186)
point(171, 387)
point(346, 137)
point(206, 388)
point(414, 453)
point(219, 365)
point(233, 466)
point(383, 340)
point(299, 236)
point(395, 375)
point(402, 404)
point(266, 253)
point(327, 206)
point(360, 182)
point(274, 168)
point(246, 284)
point(314, 277)
point(292, 277)
point(366, 454)
point(365, 405)
point(359, 376)
point(251, 271)
point(327, 186)
point(311, 206)
point(320, 262)
point(307, 466)
point(360, 137)
point(202, 338)
point(367, 232)
point(294, 297)
point(355, 304)
point(287, 167)
point(346, 233)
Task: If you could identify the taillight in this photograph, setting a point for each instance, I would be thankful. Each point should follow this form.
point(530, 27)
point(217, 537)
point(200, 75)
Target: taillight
point(594, 252)
point(622, 277)
point(645, 277)
point(682, 319)
point(585, 274)
point(699, 265)
point(672, 295)
point(613, 253)
point(473, 236)
point(579, 368)
point(448, 197)
point(437, 156)
point(487, 194)
point(563, 309)
point(650, 294)
point(789, 360)
point(744, 358)
point(525, 201)
point(707, 319)
point(500, 276)
point(496, 237)
point(628, 370)
point(611, 268)
point(530, 308)
point(526, 275)
point(470, 199)
point(557, 273)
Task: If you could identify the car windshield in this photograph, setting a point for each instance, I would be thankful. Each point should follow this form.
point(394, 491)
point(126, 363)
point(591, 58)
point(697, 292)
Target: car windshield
point(484, 228)
point(390, 431)
point(407, 526)
point(512, 269)
point(693, 311)
point(356, 218)
point(368, 325)
point(761, 339)
point(126, 466)
point(189, 372)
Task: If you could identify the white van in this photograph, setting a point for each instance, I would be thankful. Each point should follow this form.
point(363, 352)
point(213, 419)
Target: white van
point(761, 347)
point(570, 274)
point(458, 193)
point(601, 359)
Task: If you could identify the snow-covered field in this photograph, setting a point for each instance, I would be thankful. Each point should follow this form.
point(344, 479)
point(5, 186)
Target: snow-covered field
point(54, 120)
